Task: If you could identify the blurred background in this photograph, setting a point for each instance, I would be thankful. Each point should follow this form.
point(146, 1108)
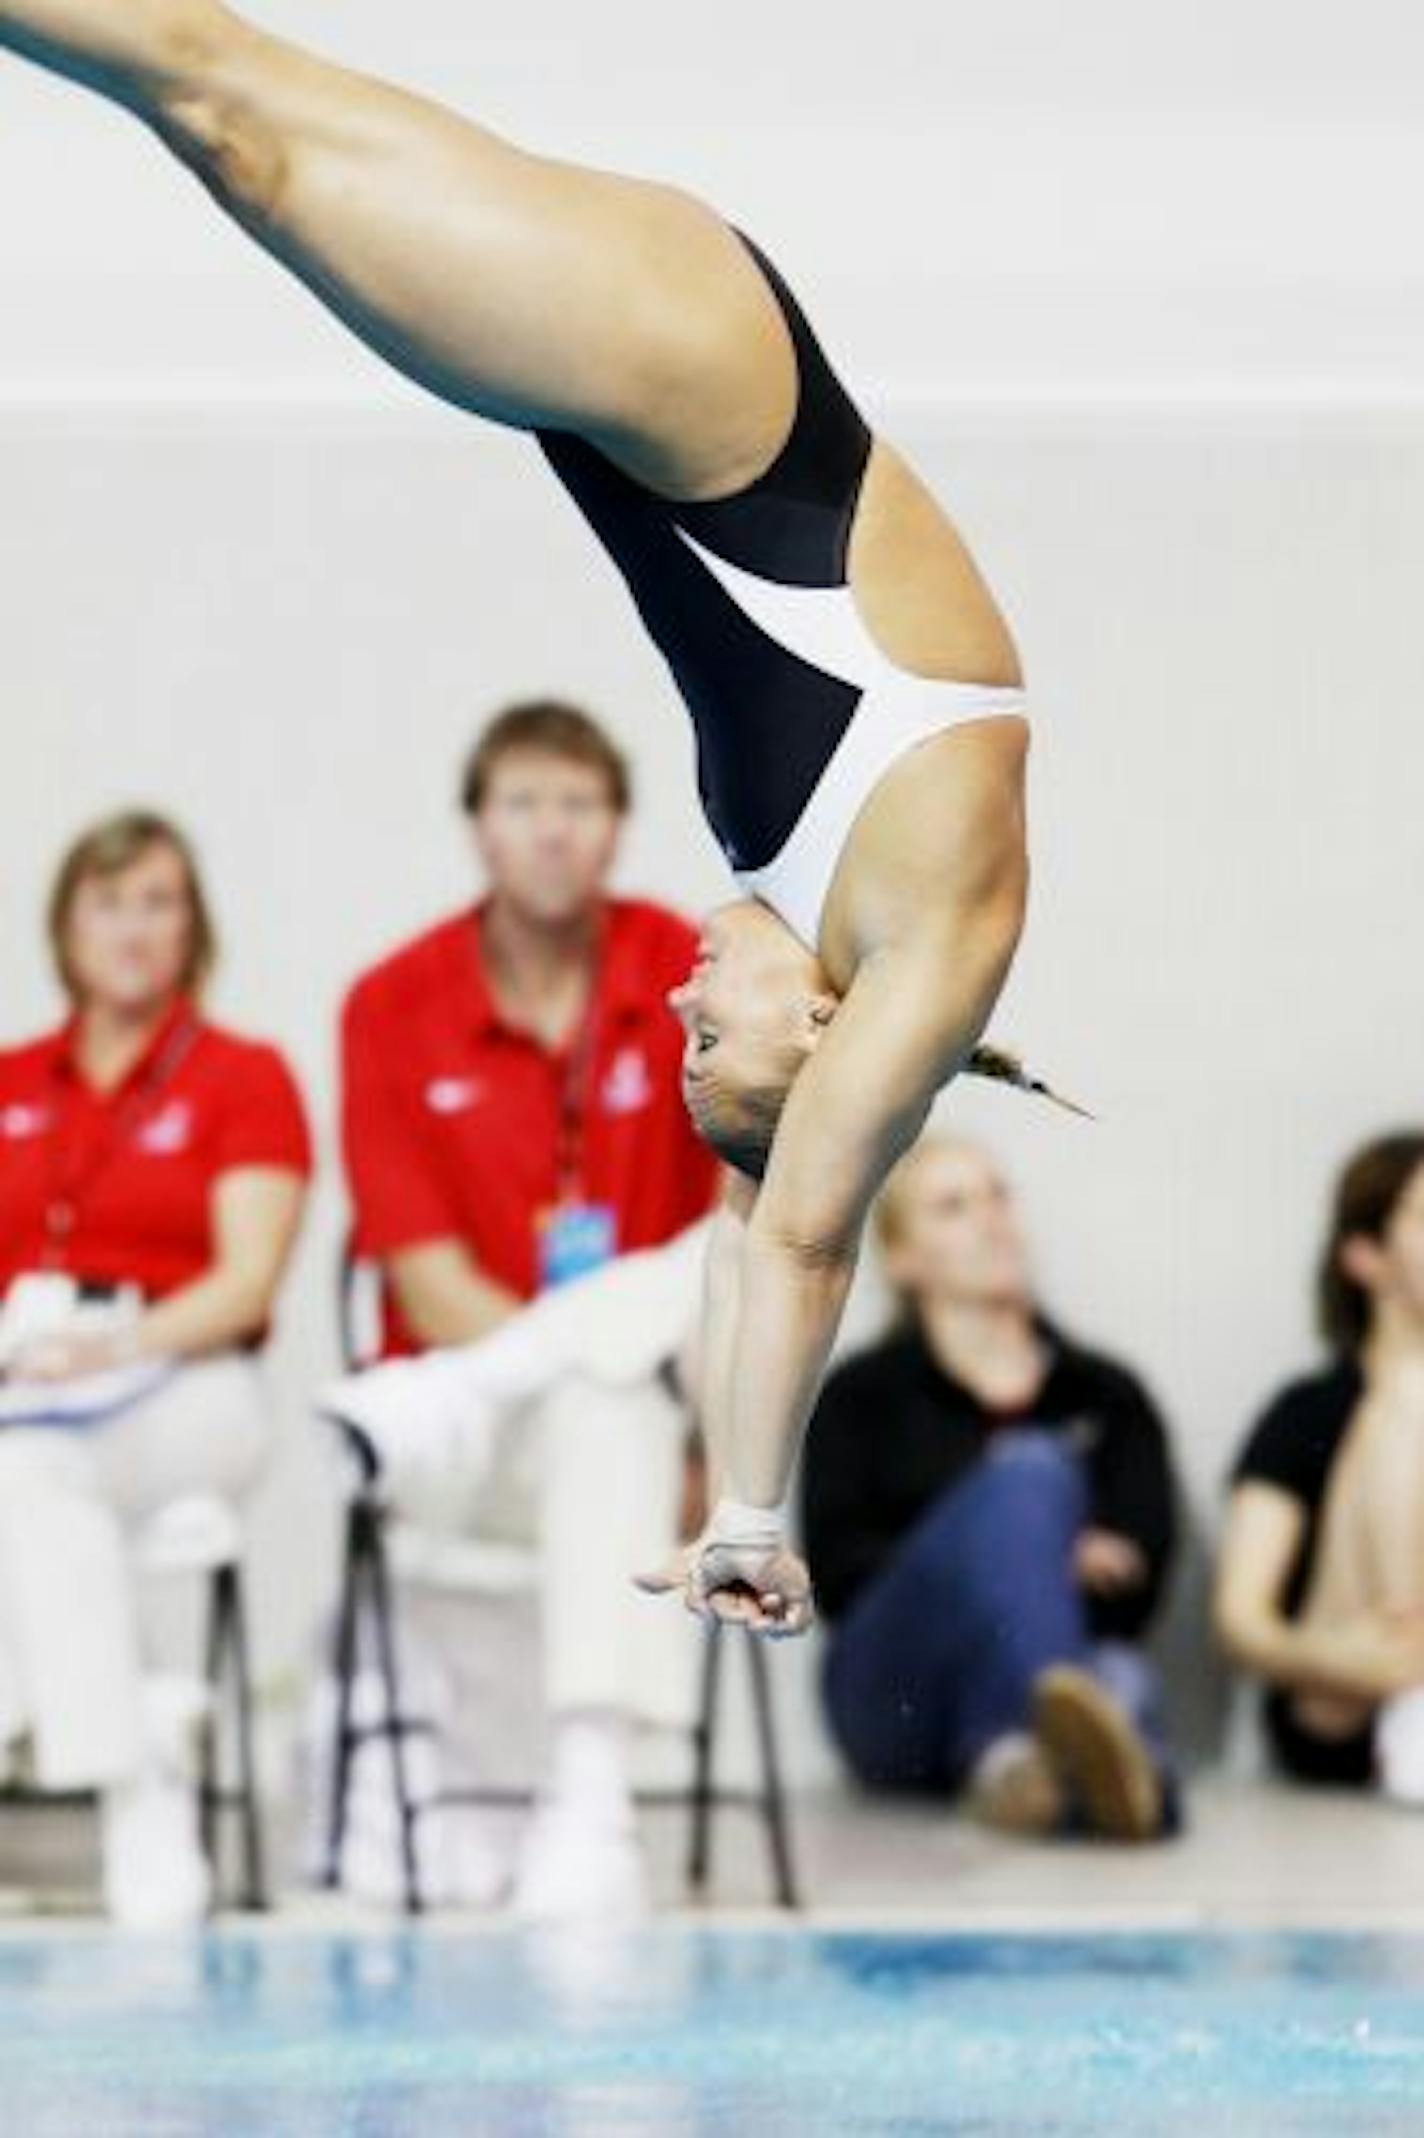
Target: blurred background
point(1136, 290)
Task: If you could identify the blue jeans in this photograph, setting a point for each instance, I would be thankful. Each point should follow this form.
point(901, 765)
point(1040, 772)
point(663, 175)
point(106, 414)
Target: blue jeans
point(936, 1657)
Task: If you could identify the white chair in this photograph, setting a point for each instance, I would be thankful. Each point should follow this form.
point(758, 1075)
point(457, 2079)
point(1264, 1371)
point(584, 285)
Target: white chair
point(200, 1535)
point(380, 1550)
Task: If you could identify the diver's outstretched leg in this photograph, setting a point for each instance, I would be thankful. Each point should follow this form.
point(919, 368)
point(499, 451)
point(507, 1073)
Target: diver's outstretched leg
point(527, 290)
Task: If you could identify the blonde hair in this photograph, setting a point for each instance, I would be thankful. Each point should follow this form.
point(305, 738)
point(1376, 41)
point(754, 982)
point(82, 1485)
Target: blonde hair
point(1001, 1067)
point(107, 849)
point(743, 1131)
point(889, 1216)
point(889, 1210)
point(997, 1066)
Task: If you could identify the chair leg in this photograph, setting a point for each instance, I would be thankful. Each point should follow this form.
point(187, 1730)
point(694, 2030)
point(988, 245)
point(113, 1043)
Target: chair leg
point(773, 1794)
point(344, 1664)
point(704, 1741)
point(229, 1676)
point(254, 1881)
point(394, 1724)
point(209, 1775)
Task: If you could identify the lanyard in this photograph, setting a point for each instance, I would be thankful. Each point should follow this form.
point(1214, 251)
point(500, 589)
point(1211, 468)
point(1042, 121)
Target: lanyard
point(571, 1133)
point(70, 1185)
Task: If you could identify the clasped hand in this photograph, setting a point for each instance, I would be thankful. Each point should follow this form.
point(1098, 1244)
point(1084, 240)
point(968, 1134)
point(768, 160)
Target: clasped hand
point(768, 1592)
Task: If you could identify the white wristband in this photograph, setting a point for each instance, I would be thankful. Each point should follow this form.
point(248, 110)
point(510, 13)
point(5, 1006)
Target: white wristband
point(747, 1528)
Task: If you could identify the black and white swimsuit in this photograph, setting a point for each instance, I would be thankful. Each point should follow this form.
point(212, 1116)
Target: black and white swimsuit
point(798, 713)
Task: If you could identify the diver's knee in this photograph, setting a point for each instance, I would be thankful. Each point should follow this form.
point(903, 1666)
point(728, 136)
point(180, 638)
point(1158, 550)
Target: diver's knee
point(240, 154)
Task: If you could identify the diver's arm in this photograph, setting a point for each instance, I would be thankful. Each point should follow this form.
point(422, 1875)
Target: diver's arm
point(720, 1320)
point(912, 1014)
point(909, 1019)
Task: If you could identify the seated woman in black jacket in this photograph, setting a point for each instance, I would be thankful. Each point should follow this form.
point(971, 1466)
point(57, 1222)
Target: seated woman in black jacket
point(989, 1517)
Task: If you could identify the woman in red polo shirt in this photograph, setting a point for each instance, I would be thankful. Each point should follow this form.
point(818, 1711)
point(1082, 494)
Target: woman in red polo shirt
point(152, 1174)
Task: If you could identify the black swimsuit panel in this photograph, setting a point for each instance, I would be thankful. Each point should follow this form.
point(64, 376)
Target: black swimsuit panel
point(767, 722)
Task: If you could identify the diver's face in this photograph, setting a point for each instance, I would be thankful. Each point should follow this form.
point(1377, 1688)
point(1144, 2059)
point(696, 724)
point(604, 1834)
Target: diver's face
point(747, 1007)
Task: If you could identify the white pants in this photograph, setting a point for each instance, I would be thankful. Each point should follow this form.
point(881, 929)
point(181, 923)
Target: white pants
point(589, 1479)
point(70, 1500)
point(558, 1433)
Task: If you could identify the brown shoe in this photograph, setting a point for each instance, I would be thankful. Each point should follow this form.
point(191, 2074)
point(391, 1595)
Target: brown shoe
point(1097, 1754)
point(1015, 1790)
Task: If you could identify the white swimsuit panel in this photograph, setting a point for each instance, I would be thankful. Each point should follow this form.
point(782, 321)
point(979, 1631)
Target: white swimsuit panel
point(823, 626)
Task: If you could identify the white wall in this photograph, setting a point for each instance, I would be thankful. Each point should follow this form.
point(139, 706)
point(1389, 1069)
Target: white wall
point(1162, 358)
point(287, 636)
point(1096, 202)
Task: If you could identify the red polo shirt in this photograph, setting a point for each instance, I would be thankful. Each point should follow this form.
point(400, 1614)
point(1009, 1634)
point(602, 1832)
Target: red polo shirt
point(452, 1117)
point(116, 1187)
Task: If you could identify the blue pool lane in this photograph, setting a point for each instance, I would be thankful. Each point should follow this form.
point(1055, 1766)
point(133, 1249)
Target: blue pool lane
point(753, 2035)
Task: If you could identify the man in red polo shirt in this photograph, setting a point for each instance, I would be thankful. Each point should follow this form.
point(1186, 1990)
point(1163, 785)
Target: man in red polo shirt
point(512, 1119)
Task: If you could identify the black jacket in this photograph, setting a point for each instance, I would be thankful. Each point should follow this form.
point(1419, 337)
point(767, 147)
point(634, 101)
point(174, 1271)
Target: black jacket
point(892, 1431)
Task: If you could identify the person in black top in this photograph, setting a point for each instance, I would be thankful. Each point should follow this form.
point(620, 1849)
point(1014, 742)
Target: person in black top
point(989, 1517)
point(1320, 1586)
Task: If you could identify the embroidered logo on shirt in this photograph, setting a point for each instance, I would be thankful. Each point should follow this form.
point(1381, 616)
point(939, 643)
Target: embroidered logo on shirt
point(170, 1130)
point(453, 1094)
point(18, 1122)
point(627, 1088)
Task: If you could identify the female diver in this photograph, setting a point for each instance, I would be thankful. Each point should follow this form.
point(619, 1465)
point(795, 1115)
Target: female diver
point(855, 693)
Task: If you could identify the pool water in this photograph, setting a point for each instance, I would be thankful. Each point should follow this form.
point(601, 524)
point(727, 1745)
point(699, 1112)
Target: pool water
point(672, 2031)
